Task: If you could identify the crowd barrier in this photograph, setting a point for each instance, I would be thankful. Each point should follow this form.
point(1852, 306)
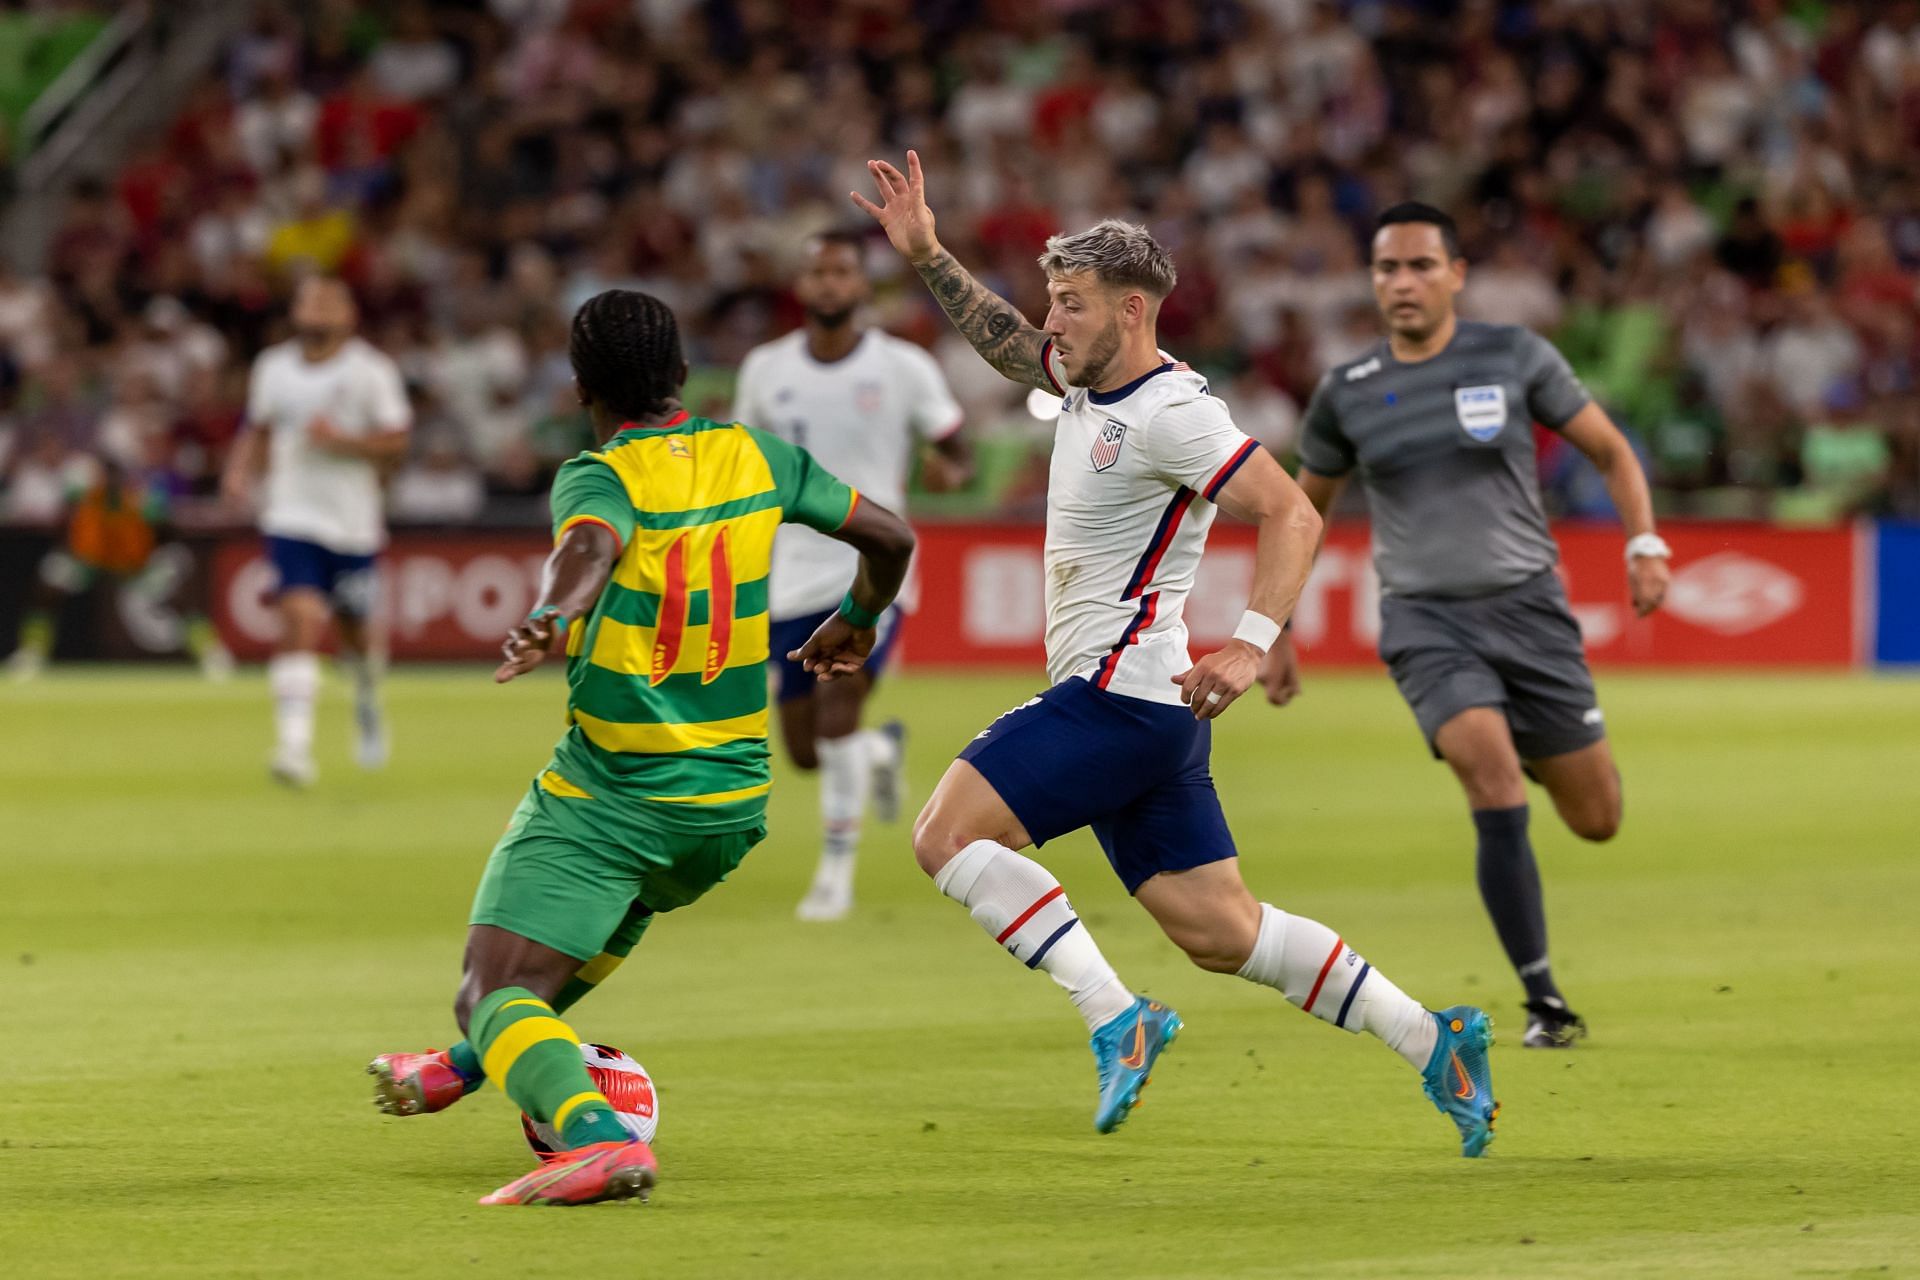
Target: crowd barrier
point(1744, 596)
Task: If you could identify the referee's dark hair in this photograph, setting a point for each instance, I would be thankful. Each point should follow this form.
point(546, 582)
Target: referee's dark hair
point(1414, 211)
point(625, 349)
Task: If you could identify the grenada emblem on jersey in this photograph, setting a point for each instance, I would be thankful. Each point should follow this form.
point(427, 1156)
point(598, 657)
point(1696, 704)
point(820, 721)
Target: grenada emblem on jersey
point(1106, 446)
point(1482, 410)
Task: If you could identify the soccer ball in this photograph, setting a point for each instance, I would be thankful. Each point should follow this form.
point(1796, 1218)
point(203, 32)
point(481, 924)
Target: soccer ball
point(627, 1086)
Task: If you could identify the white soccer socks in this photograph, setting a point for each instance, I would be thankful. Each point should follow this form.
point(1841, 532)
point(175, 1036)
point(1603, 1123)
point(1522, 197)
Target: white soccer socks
point(1315, 969)
point(294, 681)
point(1024, 909)
point(843, 795)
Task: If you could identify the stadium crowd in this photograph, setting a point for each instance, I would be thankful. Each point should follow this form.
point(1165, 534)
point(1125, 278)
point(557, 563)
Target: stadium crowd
point(1711, 206)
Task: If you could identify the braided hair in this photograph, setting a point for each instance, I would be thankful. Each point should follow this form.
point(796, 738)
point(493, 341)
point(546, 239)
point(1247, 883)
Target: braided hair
point(625, 349)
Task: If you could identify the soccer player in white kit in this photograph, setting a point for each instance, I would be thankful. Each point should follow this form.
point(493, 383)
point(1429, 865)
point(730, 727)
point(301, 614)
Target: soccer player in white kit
point(326, 414)
point(1143, 453)
point(862, 402)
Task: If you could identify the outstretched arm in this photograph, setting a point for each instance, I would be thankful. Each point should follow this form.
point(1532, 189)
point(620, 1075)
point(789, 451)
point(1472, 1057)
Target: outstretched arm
point(842, 643)
point(1280, 671)
point(570, 584)
point(993, 325)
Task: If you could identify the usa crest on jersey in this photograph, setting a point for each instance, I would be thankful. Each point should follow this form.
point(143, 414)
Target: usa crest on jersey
point(1106, 446)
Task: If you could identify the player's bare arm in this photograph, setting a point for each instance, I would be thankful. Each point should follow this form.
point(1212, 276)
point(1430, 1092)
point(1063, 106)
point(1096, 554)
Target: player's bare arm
point(993, 325)
point(1592, 432)
point(381, 447)
point(1280, 672)
point(1264, 495)
point(885, 543)
point(244, 465)
point(947, 465)
point(575, 574)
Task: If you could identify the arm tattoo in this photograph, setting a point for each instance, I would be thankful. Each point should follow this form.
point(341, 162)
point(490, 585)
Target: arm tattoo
point(997, 331)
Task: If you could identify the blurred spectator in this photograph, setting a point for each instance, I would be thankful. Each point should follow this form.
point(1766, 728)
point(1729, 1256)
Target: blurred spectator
point(1711, 206)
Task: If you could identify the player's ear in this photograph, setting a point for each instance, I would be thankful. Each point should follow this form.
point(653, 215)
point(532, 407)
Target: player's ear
point(681, 375)
point(580, 394)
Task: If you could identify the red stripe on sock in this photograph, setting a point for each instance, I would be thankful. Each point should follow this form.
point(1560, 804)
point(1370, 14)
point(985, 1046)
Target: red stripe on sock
point(1325, 969)
point(1027, 915)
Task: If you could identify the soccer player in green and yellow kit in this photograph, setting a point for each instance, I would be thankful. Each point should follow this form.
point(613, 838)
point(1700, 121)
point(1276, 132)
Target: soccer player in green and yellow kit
point(657, 592)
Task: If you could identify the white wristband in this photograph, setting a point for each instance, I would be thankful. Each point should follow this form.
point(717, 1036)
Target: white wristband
point(1258, 630)
point(1648, 546)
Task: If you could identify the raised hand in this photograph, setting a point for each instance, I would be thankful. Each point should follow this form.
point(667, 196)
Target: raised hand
point(903, 211)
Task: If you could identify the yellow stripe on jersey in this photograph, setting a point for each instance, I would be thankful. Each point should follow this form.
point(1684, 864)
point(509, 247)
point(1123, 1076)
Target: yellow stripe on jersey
point(716, 797)
point(555, 785)
point(659, 474)
point(667, 739)
point(642, 567)
point(628, 649)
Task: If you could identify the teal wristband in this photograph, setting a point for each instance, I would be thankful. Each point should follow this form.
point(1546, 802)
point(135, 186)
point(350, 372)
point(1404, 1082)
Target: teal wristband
point(553, 612)
point(859, 617)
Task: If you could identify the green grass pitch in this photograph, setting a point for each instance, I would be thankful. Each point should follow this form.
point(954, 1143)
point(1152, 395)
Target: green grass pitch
point(197, 966)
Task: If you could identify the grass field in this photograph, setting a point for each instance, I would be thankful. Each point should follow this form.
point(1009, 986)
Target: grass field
point(197, 966)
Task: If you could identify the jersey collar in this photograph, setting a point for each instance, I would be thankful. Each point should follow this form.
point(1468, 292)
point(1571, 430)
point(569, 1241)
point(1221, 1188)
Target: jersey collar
point(668, 425)
point(1121, 393)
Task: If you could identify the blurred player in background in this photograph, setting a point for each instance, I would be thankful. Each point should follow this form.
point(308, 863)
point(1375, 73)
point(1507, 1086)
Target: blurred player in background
point(861, 402)
point(327, 416)
point(656, 590)
point(116, 522)
point(1474, 623)
point(1122, 741)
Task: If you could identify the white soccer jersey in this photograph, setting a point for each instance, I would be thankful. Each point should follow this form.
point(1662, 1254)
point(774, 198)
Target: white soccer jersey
point(861, 417)
point(1129, 503)
point(311, 494)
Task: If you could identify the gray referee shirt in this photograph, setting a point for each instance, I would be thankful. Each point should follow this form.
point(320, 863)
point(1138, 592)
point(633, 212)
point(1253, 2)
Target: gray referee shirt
point(1445, 451)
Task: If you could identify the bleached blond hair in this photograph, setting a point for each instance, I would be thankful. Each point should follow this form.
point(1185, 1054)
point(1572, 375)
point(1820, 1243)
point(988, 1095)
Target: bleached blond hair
point(1121, 254)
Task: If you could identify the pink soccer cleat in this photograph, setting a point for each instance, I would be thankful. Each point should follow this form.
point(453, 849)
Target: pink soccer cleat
point(586, 1175)
point(412, 1084)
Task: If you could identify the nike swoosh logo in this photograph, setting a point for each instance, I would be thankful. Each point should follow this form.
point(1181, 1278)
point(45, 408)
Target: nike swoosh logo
point(1137, 1057)
point(1465, 1091)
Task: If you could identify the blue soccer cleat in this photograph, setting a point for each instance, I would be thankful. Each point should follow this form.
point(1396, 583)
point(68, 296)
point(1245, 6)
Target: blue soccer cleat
point(1124, 1050)
point(1457, 1078)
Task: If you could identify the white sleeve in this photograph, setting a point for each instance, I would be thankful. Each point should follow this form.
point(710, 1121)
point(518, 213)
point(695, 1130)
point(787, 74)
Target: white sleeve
point(1194, 443)
point(746, 393)
point(1048, 367)
point(933, 412)
point(259, 403)
point(387, 406)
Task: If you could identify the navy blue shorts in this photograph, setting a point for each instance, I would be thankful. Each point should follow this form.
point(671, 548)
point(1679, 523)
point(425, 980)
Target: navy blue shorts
point(1135, 771)
point(347, 581)
point(786, 636)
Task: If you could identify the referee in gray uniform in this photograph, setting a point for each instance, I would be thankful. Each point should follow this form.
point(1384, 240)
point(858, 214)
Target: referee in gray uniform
point(1437, 421)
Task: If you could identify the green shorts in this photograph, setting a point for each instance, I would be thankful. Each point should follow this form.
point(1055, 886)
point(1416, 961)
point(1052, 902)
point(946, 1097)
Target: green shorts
point(568, 870)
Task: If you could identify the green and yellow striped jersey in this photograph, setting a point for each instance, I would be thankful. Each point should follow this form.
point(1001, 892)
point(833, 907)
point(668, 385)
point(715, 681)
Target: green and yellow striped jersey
point(667, 705)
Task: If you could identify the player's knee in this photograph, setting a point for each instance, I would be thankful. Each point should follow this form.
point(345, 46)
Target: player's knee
point(1598, 823)
point(804, 757)
point(1216, 951)
point(935, 842)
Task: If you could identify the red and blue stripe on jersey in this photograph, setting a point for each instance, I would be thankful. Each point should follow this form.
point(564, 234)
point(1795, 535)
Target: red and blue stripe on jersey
point(1149, 563)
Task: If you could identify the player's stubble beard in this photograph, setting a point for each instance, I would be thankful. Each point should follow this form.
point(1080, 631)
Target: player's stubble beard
point(1100, 354)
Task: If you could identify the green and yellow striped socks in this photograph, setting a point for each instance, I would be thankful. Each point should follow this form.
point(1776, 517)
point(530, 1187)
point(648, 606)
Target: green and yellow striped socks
point(466, 1059)
point(535, 1059)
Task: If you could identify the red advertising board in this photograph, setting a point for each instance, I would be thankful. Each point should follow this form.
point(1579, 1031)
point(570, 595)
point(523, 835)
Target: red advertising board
point(1743, 595)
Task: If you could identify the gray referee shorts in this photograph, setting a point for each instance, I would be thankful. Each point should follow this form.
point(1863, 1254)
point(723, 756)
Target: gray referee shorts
point(1518, 650)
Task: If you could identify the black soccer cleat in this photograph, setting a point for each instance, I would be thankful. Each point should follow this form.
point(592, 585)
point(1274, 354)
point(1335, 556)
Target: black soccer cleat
point(1551, 1025)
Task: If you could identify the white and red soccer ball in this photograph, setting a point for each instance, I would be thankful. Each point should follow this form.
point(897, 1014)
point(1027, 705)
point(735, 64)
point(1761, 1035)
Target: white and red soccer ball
point(627, 1086)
